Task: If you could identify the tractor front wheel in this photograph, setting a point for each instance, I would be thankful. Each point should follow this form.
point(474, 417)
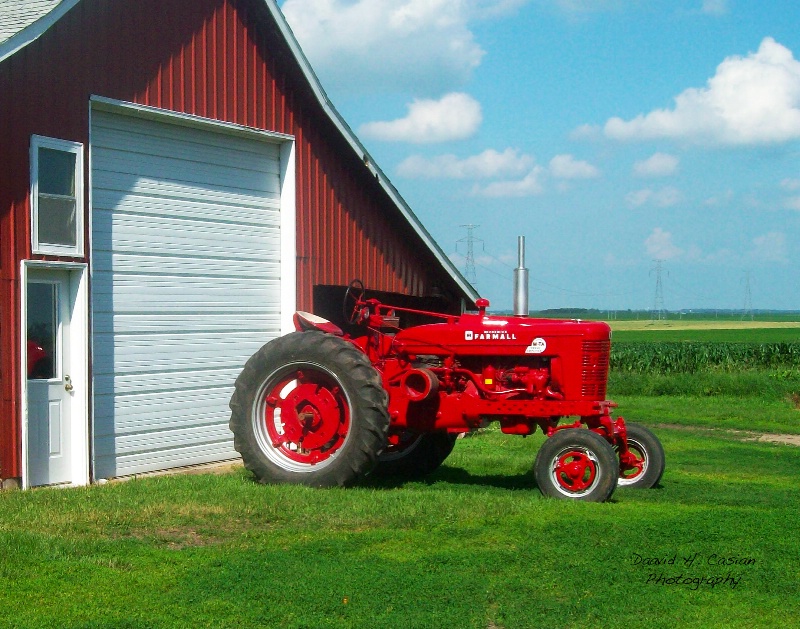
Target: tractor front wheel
point(309, 408)
point(413, 455)
point(646, 447)
point(578, 464)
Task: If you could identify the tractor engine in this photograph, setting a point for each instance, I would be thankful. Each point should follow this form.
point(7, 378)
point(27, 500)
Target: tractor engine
point(467, 372)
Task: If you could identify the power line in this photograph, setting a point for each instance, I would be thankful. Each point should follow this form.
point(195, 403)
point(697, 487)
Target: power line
point(493, 272)
point(674, 288)
point(539, 282)
point(498, 260)
point(673, 283)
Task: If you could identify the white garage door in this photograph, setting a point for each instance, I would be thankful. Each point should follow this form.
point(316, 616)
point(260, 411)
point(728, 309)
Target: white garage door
point(186, 285)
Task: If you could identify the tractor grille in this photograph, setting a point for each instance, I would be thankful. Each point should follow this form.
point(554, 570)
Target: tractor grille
point(594, 369)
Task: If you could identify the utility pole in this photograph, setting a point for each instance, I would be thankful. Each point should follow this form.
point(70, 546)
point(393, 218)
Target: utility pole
point(469, 261)
point(747, 311)
point(658, 302)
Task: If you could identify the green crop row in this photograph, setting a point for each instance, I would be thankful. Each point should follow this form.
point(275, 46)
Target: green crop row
point(691, 357)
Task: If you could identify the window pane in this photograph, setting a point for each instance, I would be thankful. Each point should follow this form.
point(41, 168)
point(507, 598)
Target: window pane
point(42, 330)
point(57, 221)
point(56, 172)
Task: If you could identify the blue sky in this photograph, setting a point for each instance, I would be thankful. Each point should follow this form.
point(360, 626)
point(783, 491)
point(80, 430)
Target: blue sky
point(609, 133)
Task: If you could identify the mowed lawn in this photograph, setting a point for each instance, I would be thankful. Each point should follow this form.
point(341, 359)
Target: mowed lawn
point(475, 545)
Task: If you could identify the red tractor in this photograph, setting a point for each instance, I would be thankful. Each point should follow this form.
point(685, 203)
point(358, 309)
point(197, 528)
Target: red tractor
point(322, 408)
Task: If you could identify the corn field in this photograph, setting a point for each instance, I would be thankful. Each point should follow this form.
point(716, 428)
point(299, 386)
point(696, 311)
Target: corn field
point(691, 357)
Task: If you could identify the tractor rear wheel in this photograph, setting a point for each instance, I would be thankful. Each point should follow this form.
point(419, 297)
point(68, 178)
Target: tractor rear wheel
point(648, 449)
point(309, 408)
point(578, 464)
point(415, 454)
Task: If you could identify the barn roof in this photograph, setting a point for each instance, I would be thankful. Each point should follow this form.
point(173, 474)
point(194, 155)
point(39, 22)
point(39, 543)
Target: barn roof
point(24, 21)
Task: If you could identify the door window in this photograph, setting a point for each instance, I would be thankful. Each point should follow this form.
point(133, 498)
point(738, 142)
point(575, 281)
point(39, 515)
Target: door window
point(42, 328)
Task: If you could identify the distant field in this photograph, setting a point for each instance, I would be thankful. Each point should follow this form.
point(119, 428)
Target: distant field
point(641, 317)
point(706, 324)
point(706, 331)
point(707, 358)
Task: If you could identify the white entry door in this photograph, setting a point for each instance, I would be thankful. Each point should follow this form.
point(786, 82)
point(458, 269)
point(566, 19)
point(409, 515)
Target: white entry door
point(50, 386)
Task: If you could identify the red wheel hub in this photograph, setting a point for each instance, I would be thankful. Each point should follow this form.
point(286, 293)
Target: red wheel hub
point(632, 463)
point(630, 466)
point(306, 416)
point(575, 471)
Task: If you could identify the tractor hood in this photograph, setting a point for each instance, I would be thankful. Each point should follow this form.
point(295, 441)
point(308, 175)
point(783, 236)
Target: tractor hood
point(498, 335)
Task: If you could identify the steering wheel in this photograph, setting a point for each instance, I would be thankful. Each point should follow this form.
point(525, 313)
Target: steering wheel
point(352, 298)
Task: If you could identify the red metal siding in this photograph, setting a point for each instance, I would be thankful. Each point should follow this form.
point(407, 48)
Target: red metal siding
point(213, 58)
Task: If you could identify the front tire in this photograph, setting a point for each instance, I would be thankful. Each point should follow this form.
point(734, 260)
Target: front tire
point(576, 464)
point(648, 449)
point(309, 408)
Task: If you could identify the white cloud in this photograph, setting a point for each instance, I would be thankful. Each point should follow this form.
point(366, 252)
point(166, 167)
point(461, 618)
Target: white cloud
point(667, 197)
point(484, 9)
point(455, 116)
point(659, 245)
point(771, 247)
point(530, 185)
point(638, 198)
point(567, 167)
point(664, 197)
point(791, 185)
point(617, 260)
point(586, 132)
point(417, 45)
point(750, 100)
point(490, 163)
point(484, 260)
point(714, 7)
point(657, 165)
point(721, 200)
point(575, 7)
point(792, 203)
point(456, 258)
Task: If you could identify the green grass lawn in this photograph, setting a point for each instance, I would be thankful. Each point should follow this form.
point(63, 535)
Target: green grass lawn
point(474, 546)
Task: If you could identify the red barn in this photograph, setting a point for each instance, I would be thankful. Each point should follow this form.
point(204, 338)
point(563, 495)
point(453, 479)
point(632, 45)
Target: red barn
point(174, 183)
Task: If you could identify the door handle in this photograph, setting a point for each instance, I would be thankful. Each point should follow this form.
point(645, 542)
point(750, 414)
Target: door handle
point(68, 384)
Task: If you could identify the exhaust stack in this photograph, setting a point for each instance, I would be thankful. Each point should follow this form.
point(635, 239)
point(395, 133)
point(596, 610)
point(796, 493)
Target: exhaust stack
point(521, 281)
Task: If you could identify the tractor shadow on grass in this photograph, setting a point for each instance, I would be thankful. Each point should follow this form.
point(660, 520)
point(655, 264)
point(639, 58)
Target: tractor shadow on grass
point(455, 476)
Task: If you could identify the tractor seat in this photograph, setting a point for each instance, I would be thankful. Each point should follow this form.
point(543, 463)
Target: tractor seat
point(304, 321)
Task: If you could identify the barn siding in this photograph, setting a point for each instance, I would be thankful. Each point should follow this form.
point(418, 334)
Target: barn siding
point(221, 59)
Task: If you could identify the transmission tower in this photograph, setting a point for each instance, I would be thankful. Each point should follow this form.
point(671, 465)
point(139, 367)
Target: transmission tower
point(469, 260)
point(658, 302)
point(747, 311)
